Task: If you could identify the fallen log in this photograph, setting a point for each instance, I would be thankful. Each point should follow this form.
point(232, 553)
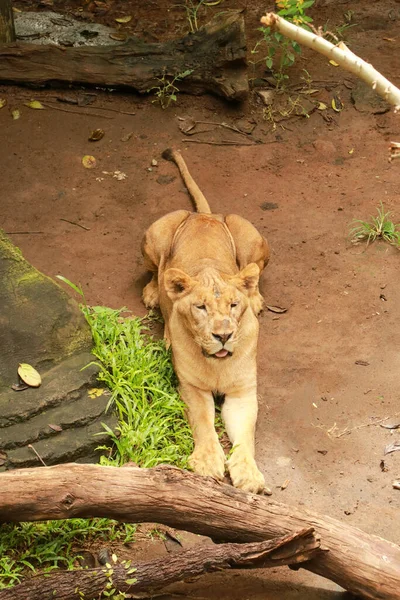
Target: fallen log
point(132, 578)
point(215, 55)
point(365, 565)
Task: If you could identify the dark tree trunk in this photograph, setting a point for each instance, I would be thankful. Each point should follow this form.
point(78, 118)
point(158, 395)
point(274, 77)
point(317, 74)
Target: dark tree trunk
point(215, 56)
point(7, 30)
point(364, 564)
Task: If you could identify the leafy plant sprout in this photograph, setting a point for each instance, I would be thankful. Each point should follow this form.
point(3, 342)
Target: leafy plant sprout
point(281, 51)
point(166, 92)
point(192, 8)
point(379, 227)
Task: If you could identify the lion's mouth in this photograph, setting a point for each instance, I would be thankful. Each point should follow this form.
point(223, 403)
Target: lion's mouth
point(223, 353)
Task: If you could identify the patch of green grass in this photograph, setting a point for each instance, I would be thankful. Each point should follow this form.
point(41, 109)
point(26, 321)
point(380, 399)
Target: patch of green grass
point(379, 227)
point(51, 545)
point(138, 370)
point(166, 91)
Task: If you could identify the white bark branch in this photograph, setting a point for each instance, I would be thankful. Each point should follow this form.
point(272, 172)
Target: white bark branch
point(340, 54)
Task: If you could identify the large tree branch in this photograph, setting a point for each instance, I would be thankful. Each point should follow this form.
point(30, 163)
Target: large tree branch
point(157, 574)
point(364, 564)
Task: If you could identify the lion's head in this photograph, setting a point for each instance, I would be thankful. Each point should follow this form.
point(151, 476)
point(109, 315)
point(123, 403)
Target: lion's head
point(211, 305)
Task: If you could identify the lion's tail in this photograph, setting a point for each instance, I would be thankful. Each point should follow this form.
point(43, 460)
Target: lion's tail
point(199, 200)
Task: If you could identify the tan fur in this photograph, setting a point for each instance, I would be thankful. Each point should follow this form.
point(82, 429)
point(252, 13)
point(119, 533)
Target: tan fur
point(205, 281)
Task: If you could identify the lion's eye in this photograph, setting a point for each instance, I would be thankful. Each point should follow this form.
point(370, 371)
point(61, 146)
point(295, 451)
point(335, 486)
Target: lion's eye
point(234, 304)
point(201, 307)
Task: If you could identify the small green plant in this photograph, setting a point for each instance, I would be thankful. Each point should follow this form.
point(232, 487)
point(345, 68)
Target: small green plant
point(379, 227)
point(192, 9)
point(281, 52)
point(166, 92)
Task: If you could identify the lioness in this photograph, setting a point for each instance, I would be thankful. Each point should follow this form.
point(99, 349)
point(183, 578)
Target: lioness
point(205, 281)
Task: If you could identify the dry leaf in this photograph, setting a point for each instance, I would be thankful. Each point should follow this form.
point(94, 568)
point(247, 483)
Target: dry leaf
point(3, 458)
point(333, 63)
point(127, 137)
point(118, 36)
point(396, 484)
point(363, 363)
point(391, 425)
point(276, 309)
point(15, 114)
point(89, 162)
point(321, 106)
point(35, 104)
point(95, 392)
point(124, 19)
point(285, 484)
point(394, 447)
point(55, 427)
point(96, 135)
point(3, 102)
point(337, 104)
point(351, 151)
point(29, 375)
point(19, 387)
point(186, 124)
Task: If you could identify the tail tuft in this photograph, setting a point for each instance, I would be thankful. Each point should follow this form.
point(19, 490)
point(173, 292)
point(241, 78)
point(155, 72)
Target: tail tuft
point(168, 154)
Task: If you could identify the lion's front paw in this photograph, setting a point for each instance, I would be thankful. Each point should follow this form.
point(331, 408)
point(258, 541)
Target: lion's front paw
point(208, 461)
point(257, 303)
point(150, 294)
point(245, 474)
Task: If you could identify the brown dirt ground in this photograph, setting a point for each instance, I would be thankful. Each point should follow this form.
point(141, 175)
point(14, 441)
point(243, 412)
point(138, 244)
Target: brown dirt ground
point(319, 176)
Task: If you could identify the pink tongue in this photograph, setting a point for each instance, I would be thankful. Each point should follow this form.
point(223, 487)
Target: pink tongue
point(221, 353)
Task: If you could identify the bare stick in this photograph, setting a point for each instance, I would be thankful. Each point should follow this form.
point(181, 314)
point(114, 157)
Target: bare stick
point(77, 224)
point(339, 53)
point(76, 112)
point(223, 143)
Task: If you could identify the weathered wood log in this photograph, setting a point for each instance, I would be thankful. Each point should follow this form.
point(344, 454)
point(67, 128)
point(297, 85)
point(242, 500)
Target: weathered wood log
point(149, 577)
point(366, 565)
point(7, 30)
point(215, 55)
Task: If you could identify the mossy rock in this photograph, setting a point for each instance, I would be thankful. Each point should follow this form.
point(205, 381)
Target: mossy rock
point(39, 323)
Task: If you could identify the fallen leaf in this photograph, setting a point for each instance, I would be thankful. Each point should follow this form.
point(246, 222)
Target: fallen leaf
point(120, 175)
point(276, 309)
point(392, 447)
point(124, 19)
point(285, 484)
point(383, 467)
point(351, 151)
point(396, 484)
point(383, 297)
point(391, 425)
point(55, 427)
point(29, 375)
point(118, 36)
point(89, 162)
point(19, 387)
point(323, 452)
point(95, 392)
point(337, 104)
point(15, 114)
point(3, 102)
point(363, 363)
point(333, 63)
point(186, 124)
point(35, 104)
point(388, 39)
point(96, 135)
point(309, 92)
point(127, 137)
point(321, 106)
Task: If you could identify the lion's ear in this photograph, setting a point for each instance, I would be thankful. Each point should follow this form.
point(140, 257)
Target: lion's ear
point(177, 283)
point(247, 279)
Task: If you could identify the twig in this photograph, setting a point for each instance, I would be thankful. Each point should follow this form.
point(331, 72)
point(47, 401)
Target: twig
point(231, 127)
point(77, 224)
point(346, 431)
point(76, 112)
point(37, 454)
point(22, 232)
point(223, 143)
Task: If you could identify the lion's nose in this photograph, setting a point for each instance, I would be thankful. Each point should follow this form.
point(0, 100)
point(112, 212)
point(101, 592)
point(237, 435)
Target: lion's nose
point(223, 338)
